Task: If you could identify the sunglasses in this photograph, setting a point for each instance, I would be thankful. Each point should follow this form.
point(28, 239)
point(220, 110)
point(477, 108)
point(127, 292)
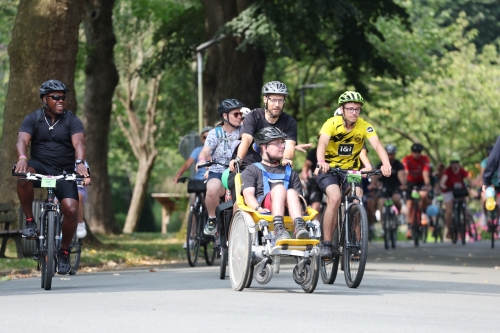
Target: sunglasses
point(237, 114)
point(58, 97)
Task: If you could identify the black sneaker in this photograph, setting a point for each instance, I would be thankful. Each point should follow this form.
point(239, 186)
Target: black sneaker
point(300, 229)
point(63, 263)
point(210, 226)
point(326, 252)
point(31, 230)
point(280, 232)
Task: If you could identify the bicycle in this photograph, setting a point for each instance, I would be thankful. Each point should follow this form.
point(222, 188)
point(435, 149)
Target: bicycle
point(458, 221)
point(389, 222)
point(417, 229)
point(438, 224)
point(492, 217)
point(49, 238)
point(350, 238)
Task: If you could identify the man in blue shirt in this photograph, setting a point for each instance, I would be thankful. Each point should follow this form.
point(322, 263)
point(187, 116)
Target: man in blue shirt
point(194, 158)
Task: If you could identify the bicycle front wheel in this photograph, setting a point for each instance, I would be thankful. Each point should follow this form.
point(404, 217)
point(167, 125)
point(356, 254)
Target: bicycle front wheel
point(210, 251)
point(75, 250)
point(193, 239)
point(329, 268)
point(48, 262)
point(356, 246)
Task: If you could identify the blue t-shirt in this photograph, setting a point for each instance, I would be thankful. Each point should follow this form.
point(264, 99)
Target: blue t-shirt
point(200, 175)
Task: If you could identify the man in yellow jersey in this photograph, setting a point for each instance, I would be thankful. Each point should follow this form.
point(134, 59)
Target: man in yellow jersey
point(340, 143)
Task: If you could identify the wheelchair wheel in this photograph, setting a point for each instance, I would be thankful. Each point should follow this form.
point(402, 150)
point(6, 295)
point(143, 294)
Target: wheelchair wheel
point(266, 276)
point(355, 256)
point(329, 268)
point(311, 282)
point(239, 251)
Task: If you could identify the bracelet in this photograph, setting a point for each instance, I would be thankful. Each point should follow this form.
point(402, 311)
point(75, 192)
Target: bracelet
point(22, 157)
point(369, 166)
point(201, 159)
point(321, 161)
point(257, 208)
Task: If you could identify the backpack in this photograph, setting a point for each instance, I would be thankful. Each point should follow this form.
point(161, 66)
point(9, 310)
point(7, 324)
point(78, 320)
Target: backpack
point(274, 176)
point(40, 117)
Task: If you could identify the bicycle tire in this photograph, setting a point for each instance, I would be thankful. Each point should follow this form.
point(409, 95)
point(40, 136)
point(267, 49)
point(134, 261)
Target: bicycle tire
point(462, 226)
point(416, 224)
point(329, 268)
point(75, 253)
point(193, 237)
point(49, 262)
point(210, 251)
point(223, 264)
point(249, 280)
point(394, 230)
point(454, 228)
point(493, 231)
point(387, 230)
point(355, 257)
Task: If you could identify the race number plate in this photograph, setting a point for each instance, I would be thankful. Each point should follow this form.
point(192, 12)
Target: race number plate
point(354, 176)
point(345, 149)
point(48, 182)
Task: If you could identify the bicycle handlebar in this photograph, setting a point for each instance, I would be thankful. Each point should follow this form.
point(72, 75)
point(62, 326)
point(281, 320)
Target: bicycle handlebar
point(37, 176)
point(342, 172)
point(210, 163)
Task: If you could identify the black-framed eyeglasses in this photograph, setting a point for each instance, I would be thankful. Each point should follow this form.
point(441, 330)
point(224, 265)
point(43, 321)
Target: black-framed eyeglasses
point(279, 101)
point(352, 110)
point(277, 143)
point(58, 97)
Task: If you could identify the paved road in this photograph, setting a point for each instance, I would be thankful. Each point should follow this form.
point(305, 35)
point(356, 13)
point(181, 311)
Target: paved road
point(437, 287)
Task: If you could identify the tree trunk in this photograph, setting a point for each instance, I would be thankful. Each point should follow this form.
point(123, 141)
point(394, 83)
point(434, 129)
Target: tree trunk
point(219, 79)
point(44, 45)
point(146, 164)
point(100, 83)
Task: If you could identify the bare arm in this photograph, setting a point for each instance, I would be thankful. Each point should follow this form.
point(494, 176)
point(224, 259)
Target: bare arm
point(78, 140)
point(183, 168)
point(251, 200)
point(320, 153)
point(23, 140)
point(246, 141)
point(382, 154)
point(363, 156)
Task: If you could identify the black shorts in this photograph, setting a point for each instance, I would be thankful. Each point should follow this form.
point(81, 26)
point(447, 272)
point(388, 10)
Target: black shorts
point(315, 193)
point(410, 186)
point(64, 188)
point(326, 179)
point(388, 192)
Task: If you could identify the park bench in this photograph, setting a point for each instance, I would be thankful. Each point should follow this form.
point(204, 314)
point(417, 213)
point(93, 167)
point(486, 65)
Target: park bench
point(7, 216)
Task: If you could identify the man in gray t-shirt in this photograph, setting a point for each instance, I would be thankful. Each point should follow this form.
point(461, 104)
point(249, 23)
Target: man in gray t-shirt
point(268, 187)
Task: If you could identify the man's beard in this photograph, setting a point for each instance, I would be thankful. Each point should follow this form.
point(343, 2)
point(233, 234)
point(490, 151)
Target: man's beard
point(275, 113)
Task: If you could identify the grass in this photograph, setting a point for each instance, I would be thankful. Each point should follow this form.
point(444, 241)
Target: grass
point(116, 251)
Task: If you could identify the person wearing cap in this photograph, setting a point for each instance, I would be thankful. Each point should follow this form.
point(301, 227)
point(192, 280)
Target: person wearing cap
point(193, 158)
point(57, 143)
point(454, 179)
point(341, 140)
point(269, 187)
point(417, 171)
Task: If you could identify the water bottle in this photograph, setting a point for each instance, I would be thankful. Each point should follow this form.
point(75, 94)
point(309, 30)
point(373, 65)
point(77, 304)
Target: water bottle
point(490, 199)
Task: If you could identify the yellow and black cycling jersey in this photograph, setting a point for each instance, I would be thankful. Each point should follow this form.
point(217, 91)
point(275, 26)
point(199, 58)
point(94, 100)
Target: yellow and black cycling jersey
point(344, 146)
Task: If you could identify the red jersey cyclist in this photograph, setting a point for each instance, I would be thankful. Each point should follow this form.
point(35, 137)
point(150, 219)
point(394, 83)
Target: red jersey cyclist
point(417, 170)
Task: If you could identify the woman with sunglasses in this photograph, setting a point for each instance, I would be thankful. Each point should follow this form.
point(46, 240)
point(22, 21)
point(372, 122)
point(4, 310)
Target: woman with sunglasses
point(219, 146)
point(200, 174)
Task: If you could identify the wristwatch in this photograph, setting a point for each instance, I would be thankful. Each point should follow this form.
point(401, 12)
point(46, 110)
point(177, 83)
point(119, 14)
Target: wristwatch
point(238, 160)
point(79, 161)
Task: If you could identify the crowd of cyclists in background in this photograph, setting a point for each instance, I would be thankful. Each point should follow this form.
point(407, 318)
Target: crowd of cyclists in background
point(341, 143)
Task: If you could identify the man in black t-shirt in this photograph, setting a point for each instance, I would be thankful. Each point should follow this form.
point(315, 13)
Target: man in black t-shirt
point(268, 186)
point(391, 185)
point(57, 145)
point(275, 94)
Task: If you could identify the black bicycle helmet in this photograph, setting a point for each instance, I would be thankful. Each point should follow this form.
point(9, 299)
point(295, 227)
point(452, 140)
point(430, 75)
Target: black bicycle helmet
point(268, 134)
point(228, 105)
point(417, 148)
point(391, 149)
point(206, 129)
point(50, 86)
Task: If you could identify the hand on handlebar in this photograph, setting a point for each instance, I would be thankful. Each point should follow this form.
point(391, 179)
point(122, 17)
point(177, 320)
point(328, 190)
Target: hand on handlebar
point(386, 170)
point(82, 170)
point(22, 166)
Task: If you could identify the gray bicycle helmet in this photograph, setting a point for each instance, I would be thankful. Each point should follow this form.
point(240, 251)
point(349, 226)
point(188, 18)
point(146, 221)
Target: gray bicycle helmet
point(205, 129)
point(391, 149)
point(228, 105)
point(245, 111)
point(50, 86)
point(275, 87)
point(268, 134)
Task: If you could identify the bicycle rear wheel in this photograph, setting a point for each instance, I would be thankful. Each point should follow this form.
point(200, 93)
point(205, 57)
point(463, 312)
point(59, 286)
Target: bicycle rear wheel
point(393, 230)
point(356, 253)
point(210, 250)
point(75, 251)
point(48, 263)
point(387, 228)
point(461, 225)
point(416, 227)
point(223, 264)
point(193, 238)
